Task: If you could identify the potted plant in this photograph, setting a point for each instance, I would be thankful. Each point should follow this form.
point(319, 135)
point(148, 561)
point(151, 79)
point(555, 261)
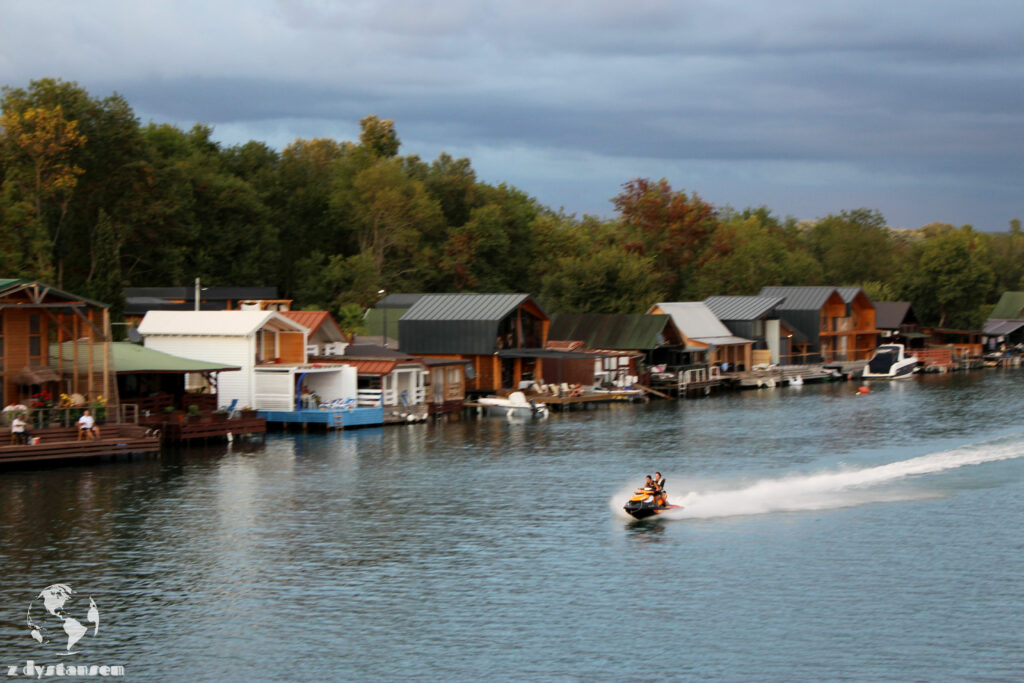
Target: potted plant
point(193, 413)
point(248, 412)
point(220, 415)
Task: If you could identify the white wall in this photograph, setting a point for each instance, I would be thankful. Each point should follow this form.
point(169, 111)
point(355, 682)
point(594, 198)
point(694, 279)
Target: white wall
point(227, 350)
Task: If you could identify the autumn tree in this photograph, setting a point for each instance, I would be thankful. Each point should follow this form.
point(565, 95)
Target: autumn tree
point(38, 170)
point(668, 226)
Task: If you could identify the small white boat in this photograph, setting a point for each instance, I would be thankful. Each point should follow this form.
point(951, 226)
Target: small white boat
point(516, 405)
point(890, 362)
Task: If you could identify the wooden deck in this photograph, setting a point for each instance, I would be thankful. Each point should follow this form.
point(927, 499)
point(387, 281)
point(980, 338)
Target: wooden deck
point(61, 444)
point(189, 431)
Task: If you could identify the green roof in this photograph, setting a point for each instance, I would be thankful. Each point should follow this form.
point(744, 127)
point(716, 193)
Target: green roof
point(630, 332)
point(1010, 307)
point(128, 358)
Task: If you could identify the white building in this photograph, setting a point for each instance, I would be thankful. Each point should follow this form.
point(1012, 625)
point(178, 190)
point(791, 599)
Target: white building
point(269, 348)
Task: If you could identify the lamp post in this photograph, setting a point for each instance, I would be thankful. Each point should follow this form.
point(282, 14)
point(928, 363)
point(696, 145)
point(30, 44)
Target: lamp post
point(197, 294)
point(384, 312)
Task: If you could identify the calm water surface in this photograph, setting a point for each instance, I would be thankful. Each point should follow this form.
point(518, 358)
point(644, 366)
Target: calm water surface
point(825, 536)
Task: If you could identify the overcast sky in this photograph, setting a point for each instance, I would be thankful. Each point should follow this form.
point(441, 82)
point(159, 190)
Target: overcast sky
point(912, 108)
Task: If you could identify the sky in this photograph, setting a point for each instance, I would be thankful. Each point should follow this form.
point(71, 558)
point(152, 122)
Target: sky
point(912, 108)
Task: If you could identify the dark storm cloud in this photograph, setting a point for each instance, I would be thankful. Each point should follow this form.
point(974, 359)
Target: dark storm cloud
point(803, 102)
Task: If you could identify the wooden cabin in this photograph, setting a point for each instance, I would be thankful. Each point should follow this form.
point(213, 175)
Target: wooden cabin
point(627, 345)
point(839, 323)
point(36, 322)
point(706, 339)
point(493, 333)
point(269, 348)
point(325, 337)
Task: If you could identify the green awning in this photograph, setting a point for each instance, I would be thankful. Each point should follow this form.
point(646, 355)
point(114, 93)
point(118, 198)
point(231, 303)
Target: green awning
point(128, 358)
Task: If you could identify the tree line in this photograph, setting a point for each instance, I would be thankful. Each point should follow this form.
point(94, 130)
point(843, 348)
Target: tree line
point(93, 200)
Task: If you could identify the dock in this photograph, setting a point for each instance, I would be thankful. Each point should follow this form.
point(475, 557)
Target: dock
point(332, 418)
point(191, 431)
point(61, 444)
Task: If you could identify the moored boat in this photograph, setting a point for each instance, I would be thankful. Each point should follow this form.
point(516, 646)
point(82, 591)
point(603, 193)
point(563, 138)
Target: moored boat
point(890, 361)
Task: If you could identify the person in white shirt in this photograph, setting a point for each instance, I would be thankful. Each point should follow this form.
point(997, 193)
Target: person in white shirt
point(18, 430)
point(87, 426)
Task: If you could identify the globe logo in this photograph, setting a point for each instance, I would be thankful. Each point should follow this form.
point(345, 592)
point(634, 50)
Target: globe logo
point(57, 616)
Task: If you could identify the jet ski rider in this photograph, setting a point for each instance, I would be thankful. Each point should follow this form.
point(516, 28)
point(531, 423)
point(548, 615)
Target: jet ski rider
point(659, 489)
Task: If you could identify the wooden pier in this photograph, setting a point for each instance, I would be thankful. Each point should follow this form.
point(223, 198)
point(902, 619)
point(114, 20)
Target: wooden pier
point(177, 431)
point(61, 443)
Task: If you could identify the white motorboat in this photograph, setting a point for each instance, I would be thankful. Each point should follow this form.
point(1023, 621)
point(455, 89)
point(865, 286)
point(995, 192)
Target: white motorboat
point(890, 362)
point(516, 405)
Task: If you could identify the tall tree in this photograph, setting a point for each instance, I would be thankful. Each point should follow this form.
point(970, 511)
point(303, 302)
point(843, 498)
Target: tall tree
point(669, 226)
point(853, 247)
point(37, 146)
point(950, 278)
point(749, 251)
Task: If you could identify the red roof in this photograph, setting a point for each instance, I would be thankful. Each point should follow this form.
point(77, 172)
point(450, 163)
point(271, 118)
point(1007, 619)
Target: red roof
point(312, 320)
point(372, 367)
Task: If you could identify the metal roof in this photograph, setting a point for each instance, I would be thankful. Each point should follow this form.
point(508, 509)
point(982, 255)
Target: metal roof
point(127, 359)
point(214, 323)
point(694, 319)
point(799, 298)
point(609, 331)
point(999, 328)
point(889, 315)
point(464, 307)
point(742, 307)
point(399, 300)
point(727, 340)
point(208, 293)
point(1009, 307)
point(849, 293)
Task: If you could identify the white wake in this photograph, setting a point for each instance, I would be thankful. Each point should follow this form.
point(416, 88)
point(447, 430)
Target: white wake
point(832, 489)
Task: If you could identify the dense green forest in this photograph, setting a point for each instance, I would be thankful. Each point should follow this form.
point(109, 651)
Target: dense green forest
point(93, 201)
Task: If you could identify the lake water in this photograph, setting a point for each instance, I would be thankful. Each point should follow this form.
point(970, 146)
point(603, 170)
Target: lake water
point(825, 536)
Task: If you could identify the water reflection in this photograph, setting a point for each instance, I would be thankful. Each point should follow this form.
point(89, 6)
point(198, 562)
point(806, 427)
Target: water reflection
point(455, 547)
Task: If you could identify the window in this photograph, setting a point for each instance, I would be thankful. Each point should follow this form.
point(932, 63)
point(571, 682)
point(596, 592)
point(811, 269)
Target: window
point(35, 340)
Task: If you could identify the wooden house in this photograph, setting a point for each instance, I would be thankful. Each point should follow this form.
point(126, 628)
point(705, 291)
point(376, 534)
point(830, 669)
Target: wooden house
point(838, 323)
point(325, 337)
point(706, 340)
point(627, 345)
point(497, 335)
point(757, 318)
point(1005, 325)
point(897, 323)
point(269, 348)
point(446, 385)
point(386, 377)
point(36, 321)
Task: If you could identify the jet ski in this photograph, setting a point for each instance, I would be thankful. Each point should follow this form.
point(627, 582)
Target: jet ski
point(643, 504)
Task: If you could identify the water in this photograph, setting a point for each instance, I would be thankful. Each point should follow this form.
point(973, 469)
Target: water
point(825, 536)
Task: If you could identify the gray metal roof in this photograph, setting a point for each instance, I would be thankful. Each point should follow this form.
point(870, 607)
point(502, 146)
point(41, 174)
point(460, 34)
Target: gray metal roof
point(695, 319)
point(399, 300)
point(849, 293)
point(889, 315)
point(742, 307)
point(464, 307)
point(799, 298)
point(999, 328)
